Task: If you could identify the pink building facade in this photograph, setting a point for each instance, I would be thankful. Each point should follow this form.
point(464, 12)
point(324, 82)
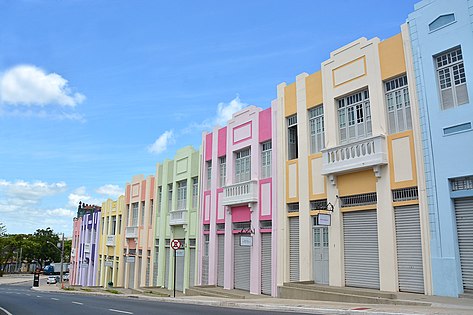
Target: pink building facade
point(237, 239)
point(74, 264)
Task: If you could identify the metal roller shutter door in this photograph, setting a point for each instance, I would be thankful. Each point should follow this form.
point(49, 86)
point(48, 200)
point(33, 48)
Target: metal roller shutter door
point(139, 272)
point(294, 249)
point(266, 269)
point(180, 272)
point(155, 268)
point(409, 249)
point(148, 267)
point(205, 270)
point(131, 275)
point(166, 272)
point(464, 217)
point(241, 264)
point(360, 234)
point(192, 268)
point(221, 259)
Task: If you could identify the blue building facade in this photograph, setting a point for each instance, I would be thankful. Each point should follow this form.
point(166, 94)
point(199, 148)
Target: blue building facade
point(441, 34)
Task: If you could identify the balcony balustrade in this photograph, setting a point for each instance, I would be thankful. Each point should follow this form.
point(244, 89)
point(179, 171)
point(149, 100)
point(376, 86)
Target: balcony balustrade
point(178, 217)
point(110, 240)
point(240, 193)
point(354, 156)
point(131, 232)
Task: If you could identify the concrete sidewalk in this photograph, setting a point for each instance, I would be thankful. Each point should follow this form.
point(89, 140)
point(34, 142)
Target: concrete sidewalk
point(438, 305)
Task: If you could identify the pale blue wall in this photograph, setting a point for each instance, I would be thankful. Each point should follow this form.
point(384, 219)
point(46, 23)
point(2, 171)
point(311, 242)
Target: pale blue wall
point(450, 156)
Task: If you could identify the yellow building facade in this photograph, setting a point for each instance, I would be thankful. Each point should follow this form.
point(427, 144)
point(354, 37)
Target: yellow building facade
point(110, 247)
point(349, 145)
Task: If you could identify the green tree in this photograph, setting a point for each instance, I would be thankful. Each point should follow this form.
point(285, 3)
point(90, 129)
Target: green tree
point(42, 251)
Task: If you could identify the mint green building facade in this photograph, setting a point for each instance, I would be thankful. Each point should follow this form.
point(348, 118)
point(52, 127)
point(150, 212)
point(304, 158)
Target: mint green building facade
point(176, 206)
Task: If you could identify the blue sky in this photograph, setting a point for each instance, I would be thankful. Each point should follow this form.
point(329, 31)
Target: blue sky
point(94, 92)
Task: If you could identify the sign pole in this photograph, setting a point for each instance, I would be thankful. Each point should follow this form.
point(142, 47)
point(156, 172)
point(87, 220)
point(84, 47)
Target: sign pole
point(174, 273)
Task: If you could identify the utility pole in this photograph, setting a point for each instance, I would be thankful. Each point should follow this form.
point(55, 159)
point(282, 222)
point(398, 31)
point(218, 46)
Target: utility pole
point(62, 260)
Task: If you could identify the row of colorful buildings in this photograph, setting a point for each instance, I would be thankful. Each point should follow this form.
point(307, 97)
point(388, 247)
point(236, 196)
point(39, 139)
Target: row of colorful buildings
point(357, 175)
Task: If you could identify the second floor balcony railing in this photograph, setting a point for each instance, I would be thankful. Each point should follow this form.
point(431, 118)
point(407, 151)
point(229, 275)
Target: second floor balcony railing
point(178, 217)
point(131, 232)
point(110, 240)
point(240, 193)
point(350, 157)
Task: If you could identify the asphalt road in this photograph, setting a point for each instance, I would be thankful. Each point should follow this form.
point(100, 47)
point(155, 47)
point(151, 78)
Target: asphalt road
point(19, 299)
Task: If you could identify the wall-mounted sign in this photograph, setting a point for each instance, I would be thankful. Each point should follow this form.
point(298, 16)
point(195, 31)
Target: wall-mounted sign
point(180, 253)
point(246, 240)
point(130, 259)
point(324, 219)
point(108, 263)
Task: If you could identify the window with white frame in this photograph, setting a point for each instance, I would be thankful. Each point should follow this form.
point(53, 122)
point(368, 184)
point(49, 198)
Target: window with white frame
point(114, 225)
point(316, 125)
point(195, 192)
point(209, 174)
point(169, 197)
point(243, 166)
point(354, 116)
point(222, 171)
point(142, 222)
point(451, 78)
point(160, 196)
point(134, 218)
point(266, 148)
point(151, 209)
point(292, 138)
point(398, 105)
point(181, 195)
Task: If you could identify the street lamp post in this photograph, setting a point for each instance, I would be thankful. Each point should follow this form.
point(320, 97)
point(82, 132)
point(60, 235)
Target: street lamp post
point(62, 257)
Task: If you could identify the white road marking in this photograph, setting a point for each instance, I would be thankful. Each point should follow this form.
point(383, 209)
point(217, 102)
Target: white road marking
point(118, 311)
point(28, 294)
point(78, 303)
point(38, 296)
point(5, 311)
point(54, 299)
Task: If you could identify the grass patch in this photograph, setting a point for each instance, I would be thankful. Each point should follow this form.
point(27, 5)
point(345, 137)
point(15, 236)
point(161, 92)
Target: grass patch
point(113, 291)
point(69, 289)
point(87, 289)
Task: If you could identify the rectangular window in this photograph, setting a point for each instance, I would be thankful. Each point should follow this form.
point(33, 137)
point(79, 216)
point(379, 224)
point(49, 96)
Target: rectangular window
point(266, 159)
point(104, 231)
point(206, 245)
point(292, 138)
point(195, 192)
point(316, 125)
point(181, 195)
point(134, 218)
point(169, 197)
point(119, 223)
point(243, 166)
point(142, 222)
point(209, 174)
point(114, 225)
point(222, 171)
point(354, 117)
point(451, 78)
point(160, 196)
point(398, 105)
point(151, 209)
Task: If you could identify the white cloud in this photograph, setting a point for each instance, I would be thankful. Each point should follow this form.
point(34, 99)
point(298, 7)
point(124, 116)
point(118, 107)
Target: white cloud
point(110, 190)
point(80, 194)
point(162, 142)
point(60, 212)
point(30, 85)
point(33, 191)
point(226, 110)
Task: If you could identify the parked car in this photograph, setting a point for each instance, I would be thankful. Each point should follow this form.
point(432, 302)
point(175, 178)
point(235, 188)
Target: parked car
point(65, 277)
point(51, 280)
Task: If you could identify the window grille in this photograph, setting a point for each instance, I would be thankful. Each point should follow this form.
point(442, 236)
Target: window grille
point(243, 166)
point(293, 207)
point(156, 242)
point(142, 220)
point(192, 242)
point(267, 224)
point(160, 195)
point(134, 221)
point(209, 174)
point(462, 183)
point(169, 197)
point(318, 204)
point(182, 195)
point(292, 149)
point(354, 117)
point(266, 159)
point(167, 241)
point(206, 245)
point(405, 194)
point(195, 192)
point(241, 225)
point(206, 227)
point(398, 105)
point(222, 171)
point(220, 226)
point(451, 78)
point(316, 125)
point(358, 200)
point(132, 251)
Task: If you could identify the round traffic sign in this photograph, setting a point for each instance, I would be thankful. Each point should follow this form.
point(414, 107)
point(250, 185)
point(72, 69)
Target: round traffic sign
point(175, 244)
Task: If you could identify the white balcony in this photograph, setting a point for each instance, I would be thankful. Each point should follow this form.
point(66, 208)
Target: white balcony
point(354, 156)
point(86, 248)
point(178, 217)
point(131, 232)
point(240, 193)
point(110, 240)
